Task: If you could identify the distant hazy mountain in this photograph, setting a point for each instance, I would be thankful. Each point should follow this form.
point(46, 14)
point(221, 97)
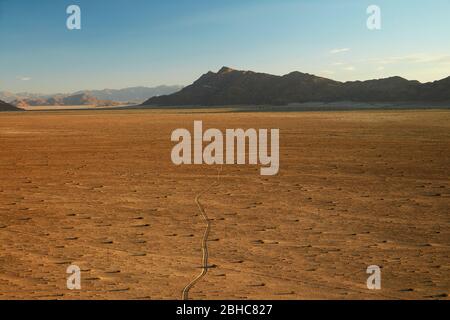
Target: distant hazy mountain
point(233, 87)
point(61, 100)
point(10, 97)
point(7, 107)
point(134, 94)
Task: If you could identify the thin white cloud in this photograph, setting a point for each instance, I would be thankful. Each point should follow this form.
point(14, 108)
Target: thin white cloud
point(24, 78)
point(414, 58)
point(338, 64)
point(339, 50)
point(349, 68)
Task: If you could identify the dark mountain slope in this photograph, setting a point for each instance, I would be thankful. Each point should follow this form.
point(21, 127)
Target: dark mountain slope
point(7, 107)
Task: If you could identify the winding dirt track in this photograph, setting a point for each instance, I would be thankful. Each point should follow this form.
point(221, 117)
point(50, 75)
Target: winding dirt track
point(189, 286)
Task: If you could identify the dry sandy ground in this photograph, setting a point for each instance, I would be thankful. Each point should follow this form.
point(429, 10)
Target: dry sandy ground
point(98, 189)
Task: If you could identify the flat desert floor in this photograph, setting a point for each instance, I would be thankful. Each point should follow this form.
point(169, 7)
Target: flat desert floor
point(98, 189)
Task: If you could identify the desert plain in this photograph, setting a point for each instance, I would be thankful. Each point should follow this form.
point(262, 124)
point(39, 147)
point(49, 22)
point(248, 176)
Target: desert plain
point(97, 189)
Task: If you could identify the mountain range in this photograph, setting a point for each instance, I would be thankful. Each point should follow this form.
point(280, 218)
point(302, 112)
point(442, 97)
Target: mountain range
point(133, 94)
point(127, 95)
point(235, 87)
point(81, 99)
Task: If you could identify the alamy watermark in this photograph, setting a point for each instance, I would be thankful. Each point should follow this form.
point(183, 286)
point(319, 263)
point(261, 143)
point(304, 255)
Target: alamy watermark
point(374, 280)
point(74, 278)
point(74, 20)
point(374, 20)
point(229, 148)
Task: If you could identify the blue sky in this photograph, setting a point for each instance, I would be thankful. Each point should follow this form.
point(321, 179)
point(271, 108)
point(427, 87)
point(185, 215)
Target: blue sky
point(126, 43)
